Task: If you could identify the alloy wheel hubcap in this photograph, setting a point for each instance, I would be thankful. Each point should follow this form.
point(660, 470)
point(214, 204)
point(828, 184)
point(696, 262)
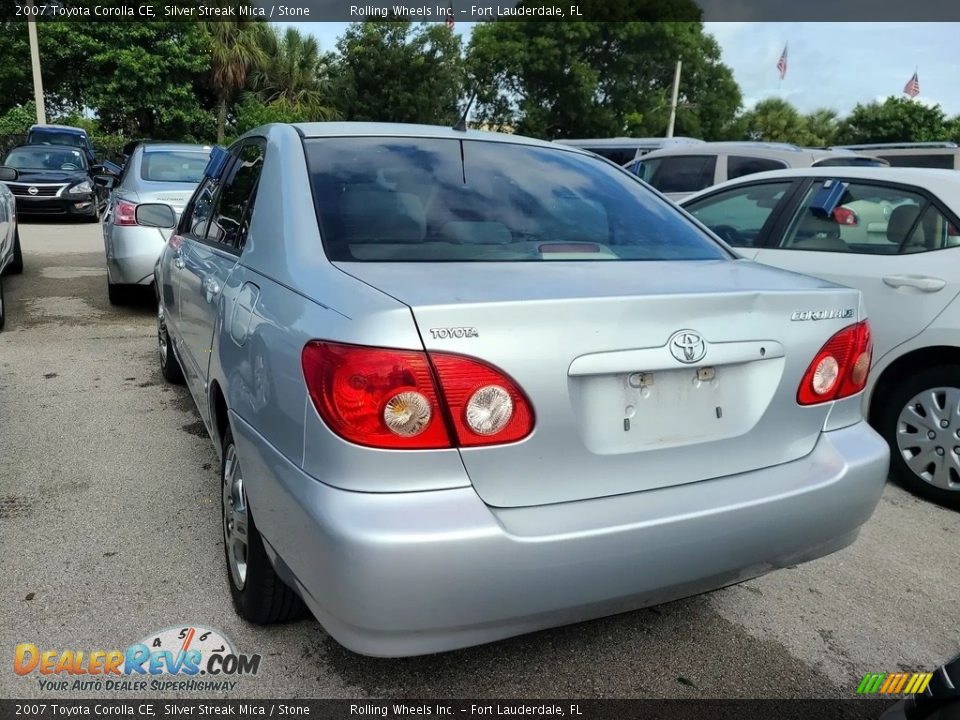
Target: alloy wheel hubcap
point(235, 518)
point(928, 436)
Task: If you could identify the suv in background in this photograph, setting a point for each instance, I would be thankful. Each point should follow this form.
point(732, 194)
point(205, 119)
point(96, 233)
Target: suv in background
point(623, 150)
point(62, 135)
point(943, 155)
point(679, 171)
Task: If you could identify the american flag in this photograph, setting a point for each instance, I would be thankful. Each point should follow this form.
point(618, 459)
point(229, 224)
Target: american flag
point(450, 21)
point(782, 63)
point(912, 88)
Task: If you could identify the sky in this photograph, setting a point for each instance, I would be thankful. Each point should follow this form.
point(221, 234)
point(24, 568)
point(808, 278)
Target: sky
point(832, 65)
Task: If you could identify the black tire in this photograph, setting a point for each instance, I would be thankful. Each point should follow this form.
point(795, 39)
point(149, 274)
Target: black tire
point(888, 418)
point(264, 598)
point(169, 364)
point(3, 307)
point(16, 267)
point(118, 294)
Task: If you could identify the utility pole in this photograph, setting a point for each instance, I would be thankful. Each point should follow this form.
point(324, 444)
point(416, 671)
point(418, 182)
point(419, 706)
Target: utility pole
point(35, 62)
point(673, 101)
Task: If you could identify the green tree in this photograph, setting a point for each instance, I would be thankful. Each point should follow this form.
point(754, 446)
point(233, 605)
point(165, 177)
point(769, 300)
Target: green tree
point(584, 79)
point(294, 76)
point(399, 72)
point(822, 127)
point(17, 120)
point(235, 48)
point(774, 120)
point(895, 120)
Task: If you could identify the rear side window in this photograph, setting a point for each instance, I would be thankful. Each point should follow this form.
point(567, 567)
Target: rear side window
point(738, 166)
point(428, 200)
point(173, 166)
point(680, 173)
point(621, 155)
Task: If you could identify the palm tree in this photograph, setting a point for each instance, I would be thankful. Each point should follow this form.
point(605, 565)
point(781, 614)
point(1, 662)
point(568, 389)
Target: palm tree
point(235, 51)
point(295, 73)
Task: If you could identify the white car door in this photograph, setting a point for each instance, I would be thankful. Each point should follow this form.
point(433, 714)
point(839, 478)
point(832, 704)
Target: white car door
point(896, 244)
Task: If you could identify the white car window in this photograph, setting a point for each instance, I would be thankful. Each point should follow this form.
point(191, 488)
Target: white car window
point(870, 219)
point(738, 215)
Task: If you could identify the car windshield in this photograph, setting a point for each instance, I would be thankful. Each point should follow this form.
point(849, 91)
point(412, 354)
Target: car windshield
point(435, 199)
point(45, 158)
point(177, 166)
point(55, 137)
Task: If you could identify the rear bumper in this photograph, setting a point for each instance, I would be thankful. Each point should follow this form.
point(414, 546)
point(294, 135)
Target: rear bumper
point(132, 253)
point(421, 572)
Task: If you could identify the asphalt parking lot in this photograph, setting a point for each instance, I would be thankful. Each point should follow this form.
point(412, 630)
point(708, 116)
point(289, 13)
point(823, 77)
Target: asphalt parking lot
point(109, 524)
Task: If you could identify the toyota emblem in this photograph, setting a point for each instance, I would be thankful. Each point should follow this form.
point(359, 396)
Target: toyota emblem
point(687, 346)
point(32, 190)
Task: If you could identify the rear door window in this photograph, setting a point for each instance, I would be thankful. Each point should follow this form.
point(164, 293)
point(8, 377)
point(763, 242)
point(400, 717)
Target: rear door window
point(437, 199)
point(874, 219)
point(680, 173)
point(739, 165)
point(230, 220)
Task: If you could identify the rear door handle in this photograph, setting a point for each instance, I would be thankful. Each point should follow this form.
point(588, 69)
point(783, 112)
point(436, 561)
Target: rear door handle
point(923, 283)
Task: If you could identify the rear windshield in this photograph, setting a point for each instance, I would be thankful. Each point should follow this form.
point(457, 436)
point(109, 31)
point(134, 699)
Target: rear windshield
point(173, 166)
point(56, 137)
point(434, 200)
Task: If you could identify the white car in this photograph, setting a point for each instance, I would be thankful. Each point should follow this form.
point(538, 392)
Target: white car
point(11, 257)
point(894, 234)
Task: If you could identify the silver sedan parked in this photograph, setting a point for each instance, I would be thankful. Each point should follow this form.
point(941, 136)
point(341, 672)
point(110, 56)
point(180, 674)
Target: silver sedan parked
point(11, 256)
point(155, 172)
point(468, 385)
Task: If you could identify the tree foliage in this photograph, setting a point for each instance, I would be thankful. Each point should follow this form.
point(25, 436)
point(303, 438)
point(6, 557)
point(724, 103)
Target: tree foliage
point(895, 120)
point(595, 79)
point(399, 72)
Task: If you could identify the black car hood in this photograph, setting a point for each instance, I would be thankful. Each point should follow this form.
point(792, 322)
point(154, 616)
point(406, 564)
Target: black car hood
point(52, 176)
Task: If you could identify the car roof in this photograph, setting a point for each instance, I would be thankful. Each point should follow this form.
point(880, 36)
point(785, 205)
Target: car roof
point(768, 149)
point(928, 178)
point(171, 147)
point(48, 146)
point(60, 128)
point(374, 129)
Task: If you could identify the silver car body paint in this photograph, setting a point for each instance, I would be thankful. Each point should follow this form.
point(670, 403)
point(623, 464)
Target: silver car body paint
point(410, 552)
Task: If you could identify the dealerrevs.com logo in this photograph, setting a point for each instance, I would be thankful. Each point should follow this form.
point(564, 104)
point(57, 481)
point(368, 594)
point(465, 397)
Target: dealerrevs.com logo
point(178, 659)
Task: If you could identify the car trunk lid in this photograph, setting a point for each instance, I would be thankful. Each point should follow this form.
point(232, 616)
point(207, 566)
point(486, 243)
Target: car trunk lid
point(609, 354)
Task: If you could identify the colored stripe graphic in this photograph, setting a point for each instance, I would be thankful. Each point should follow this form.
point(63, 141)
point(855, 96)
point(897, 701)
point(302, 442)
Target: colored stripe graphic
point(894, 683)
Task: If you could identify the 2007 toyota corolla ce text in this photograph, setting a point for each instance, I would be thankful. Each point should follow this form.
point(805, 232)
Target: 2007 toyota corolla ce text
point(469, 385)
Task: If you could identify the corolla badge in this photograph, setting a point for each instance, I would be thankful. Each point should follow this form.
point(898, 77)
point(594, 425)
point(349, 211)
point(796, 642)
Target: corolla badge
point(687, 346)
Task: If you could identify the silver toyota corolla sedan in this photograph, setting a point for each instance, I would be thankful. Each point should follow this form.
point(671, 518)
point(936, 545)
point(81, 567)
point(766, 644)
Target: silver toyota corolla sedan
point(468, 385)
point(155, 173)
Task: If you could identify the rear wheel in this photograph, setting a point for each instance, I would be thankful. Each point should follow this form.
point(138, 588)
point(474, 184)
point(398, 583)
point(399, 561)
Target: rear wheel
point(169, 365)
point(16, 267)
point(259, 595)
point(921, 422)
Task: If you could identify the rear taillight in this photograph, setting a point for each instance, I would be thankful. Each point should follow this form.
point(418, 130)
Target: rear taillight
point(125, 213)
point(846, 216)
point(404, 399)
point(841, 367)
point(486, 406)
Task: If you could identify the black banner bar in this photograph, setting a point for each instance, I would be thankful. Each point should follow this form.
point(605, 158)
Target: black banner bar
point(144, 709)
point(854, 11)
